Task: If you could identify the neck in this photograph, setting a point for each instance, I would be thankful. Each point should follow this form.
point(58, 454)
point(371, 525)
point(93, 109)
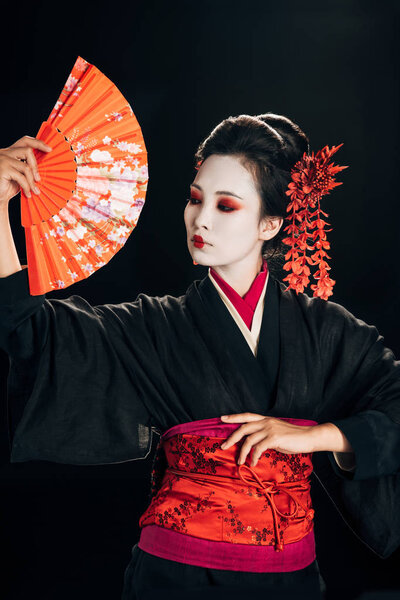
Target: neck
point(240, 275)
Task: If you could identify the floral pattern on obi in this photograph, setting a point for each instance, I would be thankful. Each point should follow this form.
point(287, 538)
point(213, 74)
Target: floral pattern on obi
point(199, 489)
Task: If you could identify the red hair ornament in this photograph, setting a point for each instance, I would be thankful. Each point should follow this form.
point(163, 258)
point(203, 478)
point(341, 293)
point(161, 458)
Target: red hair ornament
point(312, 177)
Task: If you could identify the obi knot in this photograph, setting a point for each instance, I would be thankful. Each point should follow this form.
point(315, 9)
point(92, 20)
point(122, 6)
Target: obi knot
point(269, 488)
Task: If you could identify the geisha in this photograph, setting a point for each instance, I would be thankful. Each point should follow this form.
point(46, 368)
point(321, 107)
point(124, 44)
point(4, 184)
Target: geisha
point(252, 388)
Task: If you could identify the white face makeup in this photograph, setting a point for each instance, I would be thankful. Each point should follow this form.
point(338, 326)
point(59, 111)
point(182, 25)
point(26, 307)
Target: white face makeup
point(224, 210)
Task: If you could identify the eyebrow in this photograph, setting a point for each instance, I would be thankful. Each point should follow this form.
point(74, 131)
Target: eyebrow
point(219, 192)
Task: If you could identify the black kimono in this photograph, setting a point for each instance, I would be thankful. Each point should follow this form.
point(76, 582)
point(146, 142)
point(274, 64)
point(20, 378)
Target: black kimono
point(96, 382)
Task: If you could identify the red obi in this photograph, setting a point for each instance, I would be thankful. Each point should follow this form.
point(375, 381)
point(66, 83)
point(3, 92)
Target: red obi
point(207, 510)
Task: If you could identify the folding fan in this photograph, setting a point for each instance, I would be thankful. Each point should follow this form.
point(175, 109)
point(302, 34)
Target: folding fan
point(92, 184)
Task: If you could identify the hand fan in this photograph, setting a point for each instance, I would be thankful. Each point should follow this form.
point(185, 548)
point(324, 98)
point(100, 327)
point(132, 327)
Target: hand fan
point(92, 184)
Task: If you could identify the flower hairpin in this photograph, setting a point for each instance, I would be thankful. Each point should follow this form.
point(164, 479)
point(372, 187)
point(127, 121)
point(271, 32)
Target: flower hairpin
point(311, 178)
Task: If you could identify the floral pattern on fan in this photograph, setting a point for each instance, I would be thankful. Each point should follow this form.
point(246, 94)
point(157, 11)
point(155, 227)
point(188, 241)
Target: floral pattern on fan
point(71, 233)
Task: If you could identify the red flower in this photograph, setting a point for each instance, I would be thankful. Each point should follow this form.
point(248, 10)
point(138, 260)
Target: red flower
point(312, 177)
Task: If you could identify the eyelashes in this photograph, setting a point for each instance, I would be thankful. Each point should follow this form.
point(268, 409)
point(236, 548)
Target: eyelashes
point(223, 207)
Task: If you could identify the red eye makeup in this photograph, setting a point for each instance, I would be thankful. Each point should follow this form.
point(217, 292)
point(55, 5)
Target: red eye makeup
point(225, 204)
point(230, 203)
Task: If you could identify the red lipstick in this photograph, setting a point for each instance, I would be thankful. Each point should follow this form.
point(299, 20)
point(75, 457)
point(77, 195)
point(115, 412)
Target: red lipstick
point(198, 241)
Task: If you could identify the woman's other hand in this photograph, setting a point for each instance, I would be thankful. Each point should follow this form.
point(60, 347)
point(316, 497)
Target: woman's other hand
point(18, 168)
point(269, 432)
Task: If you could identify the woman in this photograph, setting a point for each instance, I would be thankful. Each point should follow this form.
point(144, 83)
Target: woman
point(296, 377)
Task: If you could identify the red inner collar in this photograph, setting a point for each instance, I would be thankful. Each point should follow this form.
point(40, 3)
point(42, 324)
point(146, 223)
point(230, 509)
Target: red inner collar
point(246, 305)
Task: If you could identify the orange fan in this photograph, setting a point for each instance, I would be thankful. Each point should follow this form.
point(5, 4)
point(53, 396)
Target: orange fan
point(92, 184)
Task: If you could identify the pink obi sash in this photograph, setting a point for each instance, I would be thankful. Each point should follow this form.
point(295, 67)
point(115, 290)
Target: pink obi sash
point(208, 511)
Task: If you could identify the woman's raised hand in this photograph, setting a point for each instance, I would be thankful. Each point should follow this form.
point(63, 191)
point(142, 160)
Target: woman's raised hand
point(18, 168)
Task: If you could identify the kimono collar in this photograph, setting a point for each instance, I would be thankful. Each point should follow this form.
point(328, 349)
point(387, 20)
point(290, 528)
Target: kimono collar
point(247, 304)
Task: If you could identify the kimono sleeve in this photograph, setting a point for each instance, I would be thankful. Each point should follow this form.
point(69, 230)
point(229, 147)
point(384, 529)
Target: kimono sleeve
point(365, 431)
point(362, 397)
point(83, 381)
point(363, 381)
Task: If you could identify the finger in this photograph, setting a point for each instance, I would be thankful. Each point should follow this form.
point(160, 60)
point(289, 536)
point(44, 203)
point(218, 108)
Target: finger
point(239, 433)
point(25, 169)
point(23, 153)
point(28, 154)
point(21, 180)
point(236, 436)
point(242, 417)
point(259, 449)
point(250, 441)
point(29, 175)
point(32, 142)
point(31, 160)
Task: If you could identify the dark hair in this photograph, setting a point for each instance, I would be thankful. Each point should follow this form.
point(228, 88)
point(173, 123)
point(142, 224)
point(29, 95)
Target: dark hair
point(268, 146)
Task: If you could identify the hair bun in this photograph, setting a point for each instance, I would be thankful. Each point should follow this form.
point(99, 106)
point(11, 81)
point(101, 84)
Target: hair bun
point(295, 141)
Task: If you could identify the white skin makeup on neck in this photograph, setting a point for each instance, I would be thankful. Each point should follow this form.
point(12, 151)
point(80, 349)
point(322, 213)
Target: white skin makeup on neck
point(223, 210)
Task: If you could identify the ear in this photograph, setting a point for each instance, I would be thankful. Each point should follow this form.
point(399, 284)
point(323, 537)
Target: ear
point(269, 227)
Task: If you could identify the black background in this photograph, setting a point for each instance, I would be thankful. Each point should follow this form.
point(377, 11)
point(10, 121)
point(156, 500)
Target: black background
point(332, 67)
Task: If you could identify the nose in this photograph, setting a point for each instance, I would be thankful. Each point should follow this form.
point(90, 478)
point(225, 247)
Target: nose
point(203, 218)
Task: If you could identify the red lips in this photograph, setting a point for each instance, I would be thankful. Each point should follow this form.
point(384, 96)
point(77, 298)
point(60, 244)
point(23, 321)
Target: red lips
point(198, 241)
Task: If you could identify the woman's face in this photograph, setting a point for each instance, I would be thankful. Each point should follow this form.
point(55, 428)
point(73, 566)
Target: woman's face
point(223, 210)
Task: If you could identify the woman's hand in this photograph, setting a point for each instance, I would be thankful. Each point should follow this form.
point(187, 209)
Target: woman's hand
point(18, 167)
point(269, 432)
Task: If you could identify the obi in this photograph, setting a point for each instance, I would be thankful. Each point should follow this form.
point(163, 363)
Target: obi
point(207, 510)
